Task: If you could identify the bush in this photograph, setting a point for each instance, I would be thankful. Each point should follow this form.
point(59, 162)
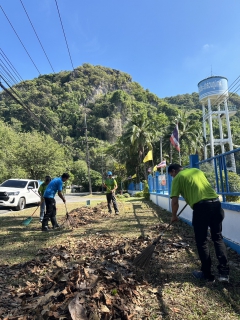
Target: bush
point(126, 195)
point(139, 194)
point(120, 196)
point(146, 193)
point(234, 186)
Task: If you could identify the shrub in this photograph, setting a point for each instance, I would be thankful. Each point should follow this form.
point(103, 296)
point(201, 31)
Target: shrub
point(126, 195)
point(234, 186)
point(139, 194)
point(120, 196)
point(146, 193)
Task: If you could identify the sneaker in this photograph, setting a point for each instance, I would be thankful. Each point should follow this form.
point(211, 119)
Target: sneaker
point(45, 229)
point(223, 278)
point(116, 212)
point(200, 276)
point(110, 212)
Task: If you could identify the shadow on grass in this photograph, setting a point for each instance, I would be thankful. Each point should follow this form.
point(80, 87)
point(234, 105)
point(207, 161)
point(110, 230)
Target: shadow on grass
point(168, 271)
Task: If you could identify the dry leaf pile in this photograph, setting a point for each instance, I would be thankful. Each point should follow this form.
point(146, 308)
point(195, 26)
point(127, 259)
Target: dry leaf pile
point(85, 215)
point(84, 279)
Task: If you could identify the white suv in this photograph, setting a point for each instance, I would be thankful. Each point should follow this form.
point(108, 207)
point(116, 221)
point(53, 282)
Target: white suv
point(17, 193)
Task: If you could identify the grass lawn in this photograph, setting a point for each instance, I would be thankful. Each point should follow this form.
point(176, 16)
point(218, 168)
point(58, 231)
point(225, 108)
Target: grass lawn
point(175, 294)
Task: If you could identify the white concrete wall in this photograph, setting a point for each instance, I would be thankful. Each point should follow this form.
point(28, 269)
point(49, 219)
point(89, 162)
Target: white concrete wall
point(162, 202)
point(231, 223)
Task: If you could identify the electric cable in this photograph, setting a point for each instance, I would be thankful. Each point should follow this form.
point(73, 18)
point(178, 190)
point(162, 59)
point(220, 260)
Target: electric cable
point(1, 76)
point(20, 40)
point(4, 67)
point(49, 122)
point(37, 36)
point(64, 34)
point(32, 114)
point(223, 94)
point(10, 65)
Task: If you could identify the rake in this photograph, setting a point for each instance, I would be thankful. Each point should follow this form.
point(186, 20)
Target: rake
point(143, 259)
point(27, 221)
point(68, 218)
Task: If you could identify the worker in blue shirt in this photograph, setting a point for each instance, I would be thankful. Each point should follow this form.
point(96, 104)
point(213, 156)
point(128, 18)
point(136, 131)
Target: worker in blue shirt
point(55, 186)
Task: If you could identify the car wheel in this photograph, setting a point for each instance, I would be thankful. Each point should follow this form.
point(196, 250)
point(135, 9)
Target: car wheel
point(21, 204)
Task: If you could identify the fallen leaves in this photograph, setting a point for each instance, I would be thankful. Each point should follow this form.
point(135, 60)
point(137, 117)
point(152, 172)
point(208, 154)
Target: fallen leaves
point(62, 285)
point(77, 310)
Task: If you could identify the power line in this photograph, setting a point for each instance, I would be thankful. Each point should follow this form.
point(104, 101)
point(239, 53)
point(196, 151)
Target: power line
point(32, 114)
point(18, 101)
point(37, 36)
point(64, 34)
point(20, 40)
point(4, 67)
point(1, 77)
point(227, 90)
point(49, 122)
point(10, 64)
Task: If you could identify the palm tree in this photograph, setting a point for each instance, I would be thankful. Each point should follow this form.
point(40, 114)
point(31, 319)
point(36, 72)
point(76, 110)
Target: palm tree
point(138, 136)
point(190, 136)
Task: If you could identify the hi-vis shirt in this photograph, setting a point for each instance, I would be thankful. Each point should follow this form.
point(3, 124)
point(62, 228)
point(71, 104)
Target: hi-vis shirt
point(111, 184)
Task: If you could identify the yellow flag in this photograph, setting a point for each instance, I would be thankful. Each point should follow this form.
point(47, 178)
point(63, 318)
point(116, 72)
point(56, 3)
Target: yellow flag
point(155, 168)
point(134, 176)
point(149, 156)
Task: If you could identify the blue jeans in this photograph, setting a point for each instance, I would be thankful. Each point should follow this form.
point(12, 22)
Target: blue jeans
point(42, 210)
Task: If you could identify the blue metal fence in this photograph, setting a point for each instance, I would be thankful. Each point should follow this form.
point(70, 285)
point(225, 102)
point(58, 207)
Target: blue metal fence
point(158, 183)
point(218, 169)
point(221, 173)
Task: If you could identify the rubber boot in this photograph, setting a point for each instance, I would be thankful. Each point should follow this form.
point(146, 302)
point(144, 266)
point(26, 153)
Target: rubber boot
point(45, 224)
point(54, 222)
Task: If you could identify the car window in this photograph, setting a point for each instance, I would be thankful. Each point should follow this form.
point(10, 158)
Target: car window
point(31, 184)
point(36, 184)
point(14, 184)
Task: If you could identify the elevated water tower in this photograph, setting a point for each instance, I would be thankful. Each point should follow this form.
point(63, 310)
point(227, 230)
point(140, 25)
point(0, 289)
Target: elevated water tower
point(213, 93)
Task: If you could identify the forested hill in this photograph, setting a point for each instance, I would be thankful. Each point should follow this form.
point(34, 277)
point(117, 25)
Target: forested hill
point(191, 101)
point(109, 96)
point(123, 121)
point(61, 99)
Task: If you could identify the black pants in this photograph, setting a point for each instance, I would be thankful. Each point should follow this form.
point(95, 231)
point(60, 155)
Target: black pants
point(210, 214)
point(50, 212)
point(111, 198)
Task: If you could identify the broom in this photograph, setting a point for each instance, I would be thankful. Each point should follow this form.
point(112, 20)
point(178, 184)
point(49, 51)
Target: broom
point(27, 221)
point(143, 259)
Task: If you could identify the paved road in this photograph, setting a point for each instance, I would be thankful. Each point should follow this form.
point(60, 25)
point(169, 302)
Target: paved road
point(78, 197)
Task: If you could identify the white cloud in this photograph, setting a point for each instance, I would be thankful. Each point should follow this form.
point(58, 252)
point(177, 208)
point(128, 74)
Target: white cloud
point(207, 47)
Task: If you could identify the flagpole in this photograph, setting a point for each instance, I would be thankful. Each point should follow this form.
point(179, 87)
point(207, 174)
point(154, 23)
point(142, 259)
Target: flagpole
point(152, 166)
point(161, 153)
point(170, 153)
point(179, 153)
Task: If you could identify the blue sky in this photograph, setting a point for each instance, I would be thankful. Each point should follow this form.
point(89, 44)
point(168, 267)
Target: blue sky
point(166, 46)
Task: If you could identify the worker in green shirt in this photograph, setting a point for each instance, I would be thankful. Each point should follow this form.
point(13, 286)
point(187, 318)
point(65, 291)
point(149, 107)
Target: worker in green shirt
point(41, 190)
point(207, 212)
point(111, 186)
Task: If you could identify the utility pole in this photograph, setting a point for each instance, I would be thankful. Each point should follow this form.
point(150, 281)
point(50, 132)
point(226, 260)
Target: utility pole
point(102, 170)
point(87, 156)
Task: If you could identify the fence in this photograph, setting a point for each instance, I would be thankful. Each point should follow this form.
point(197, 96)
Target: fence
point(135, 187)
point(224, 178)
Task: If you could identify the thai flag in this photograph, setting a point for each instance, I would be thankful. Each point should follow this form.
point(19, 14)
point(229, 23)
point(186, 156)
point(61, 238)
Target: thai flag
point(174, 138)
point(162, 164)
